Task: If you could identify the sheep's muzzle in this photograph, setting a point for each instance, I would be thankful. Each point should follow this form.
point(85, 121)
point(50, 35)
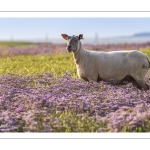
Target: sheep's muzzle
point(69, 48)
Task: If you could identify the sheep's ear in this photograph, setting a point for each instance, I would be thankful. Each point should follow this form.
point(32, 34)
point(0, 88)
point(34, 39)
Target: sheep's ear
point(81, 36)
point(65, 36)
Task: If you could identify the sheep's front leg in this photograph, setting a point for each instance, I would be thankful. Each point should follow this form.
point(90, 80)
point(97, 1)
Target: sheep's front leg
point(95, 78)
point(92, 79)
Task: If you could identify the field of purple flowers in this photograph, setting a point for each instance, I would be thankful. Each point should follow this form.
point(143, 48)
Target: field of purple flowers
point(65, 104)
point(49, 49)
point(45, 103)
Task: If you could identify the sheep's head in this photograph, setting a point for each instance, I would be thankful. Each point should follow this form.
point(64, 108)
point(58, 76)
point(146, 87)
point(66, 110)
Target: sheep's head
point(73, 42)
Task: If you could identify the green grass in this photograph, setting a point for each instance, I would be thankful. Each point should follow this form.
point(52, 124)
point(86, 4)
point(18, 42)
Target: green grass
point(146, 51)
point(14, 44)
point(26, 65)
point(68, 121)
point(36, 64)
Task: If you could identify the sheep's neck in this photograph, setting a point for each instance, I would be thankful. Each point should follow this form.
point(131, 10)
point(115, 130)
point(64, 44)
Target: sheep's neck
point(79, 55)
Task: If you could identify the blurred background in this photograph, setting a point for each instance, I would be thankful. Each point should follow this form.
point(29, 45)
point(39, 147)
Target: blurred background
point(95, 30)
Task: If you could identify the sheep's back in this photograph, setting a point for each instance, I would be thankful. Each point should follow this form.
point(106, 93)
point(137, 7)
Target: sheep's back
point(117, 64)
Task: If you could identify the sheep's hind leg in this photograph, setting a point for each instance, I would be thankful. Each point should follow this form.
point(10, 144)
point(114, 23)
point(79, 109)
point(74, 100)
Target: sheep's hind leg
point(138, 83)
point(125, 80)
point(133, 81)
point(128, 79)
point(141, 83)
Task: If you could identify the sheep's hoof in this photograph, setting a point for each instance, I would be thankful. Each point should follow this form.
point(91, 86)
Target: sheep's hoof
point(92, 81)
point(146, 87)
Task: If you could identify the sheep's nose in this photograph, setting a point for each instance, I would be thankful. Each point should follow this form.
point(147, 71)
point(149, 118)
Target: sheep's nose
point(69, 46)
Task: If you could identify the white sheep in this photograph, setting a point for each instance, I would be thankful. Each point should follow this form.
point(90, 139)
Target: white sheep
point(116, 66)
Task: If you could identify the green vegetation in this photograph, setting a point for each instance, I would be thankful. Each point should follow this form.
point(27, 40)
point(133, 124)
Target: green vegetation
point(146, 51)
point(69, 121)
point(14, 44)
point(56, 64)
point(26, 65)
